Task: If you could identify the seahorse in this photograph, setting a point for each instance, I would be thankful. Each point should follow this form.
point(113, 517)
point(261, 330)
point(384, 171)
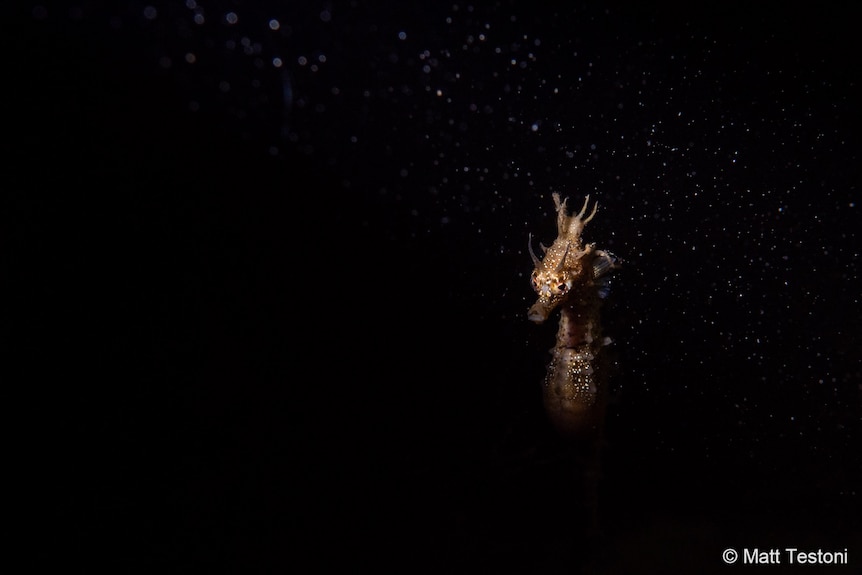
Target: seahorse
point(574, 278)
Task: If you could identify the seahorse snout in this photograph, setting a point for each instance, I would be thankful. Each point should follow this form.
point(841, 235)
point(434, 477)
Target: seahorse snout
point(538, 313)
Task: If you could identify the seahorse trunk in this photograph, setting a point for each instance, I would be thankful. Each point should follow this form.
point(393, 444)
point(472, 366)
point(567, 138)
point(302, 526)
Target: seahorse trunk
point(574, 381)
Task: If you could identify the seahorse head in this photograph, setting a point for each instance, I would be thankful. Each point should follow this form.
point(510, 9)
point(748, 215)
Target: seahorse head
point(562, 268)
point(553, 278)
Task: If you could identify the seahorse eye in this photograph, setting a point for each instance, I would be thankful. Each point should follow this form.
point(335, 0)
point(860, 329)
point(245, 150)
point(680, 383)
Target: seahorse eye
point(562, 287)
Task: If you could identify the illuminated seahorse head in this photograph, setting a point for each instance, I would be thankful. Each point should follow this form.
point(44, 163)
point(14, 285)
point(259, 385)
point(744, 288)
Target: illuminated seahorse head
point(562, 271)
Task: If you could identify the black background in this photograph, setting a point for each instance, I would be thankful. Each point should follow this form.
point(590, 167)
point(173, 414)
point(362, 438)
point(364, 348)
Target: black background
point(272, 315)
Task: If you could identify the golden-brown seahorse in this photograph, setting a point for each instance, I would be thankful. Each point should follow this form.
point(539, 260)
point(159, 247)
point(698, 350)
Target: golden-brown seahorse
point(573, 277)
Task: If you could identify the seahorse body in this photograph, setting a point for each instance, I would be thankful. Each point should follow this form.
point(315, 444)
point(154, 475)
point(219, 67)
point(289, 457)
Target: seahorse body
point(573, 277)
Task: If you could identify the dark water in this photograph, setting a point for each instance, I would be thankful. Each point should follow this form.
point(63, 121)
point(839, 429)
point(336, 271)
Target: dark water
point(273, 283)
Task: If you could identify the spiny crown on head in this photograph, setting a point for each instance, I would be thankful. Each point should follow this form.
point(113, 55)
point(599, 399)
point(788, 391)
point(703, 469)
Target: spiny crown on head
point(572, 226)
